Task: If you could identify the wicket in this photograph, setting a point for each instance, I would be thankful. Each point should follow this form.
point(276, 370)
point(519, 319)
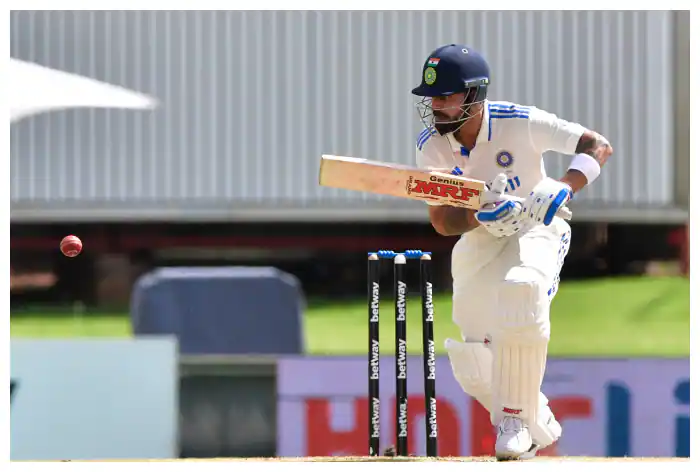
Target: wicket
point(400, 294)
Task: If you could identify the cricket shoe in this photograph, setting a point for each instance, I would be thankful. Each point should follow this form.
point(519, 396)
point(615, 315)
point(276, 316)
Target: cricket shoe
point(513, 440)
point(550, 433)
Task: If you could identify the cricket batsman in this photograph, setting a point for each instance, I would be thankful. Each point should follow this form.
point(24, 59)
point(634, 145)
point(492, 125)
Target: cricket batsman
point(506, 264)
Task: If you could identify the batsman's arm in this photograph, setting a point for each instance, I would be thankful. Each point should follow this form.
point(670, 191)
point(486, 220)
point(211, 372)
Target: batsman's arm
point(591, 154)
point(452, 221)
point(590, 149)
point(449, 220)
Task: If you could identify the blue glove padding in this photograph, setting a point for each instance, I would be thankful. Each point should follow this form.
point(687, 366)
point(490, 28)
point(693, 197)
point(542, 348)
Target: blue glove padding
point(547, 198)
point(497, 212)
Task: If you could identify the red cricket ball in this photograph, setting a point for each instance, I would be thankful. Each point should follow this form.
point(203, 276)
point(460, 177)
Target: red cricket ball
point(71, 246)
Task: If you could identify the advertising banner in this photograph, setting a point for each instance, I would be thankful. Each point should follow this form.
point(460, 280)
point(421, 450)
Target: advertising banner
point(608, 408)
point(93, 399)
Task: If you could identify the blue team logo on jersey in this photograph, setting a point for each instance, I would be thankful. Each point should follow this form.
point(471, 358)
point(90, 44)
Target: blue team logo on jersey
point(504, 159)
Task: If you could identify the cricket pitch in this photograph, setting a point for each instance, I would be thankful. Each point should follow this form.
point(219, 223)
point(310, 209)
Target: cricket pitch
point(408, 459)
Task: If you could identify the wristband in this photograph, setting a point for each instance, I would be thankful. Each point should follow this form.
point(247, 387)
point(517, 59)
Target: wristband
point(587, 165)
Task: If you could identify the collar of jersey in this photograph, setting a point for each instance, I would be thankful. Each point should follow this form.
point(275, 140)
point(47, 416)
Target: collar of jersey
point(484, 132)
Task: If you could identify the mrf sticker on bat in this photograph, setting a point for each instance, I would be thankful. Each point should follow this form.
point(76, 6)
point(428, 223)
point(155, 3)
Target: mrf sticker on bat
point(439, 188)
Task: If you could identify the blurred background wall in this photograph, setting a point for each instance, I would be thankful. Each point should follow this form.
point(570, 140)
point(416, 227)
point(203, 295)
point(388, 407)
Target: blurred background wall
point(226, 166)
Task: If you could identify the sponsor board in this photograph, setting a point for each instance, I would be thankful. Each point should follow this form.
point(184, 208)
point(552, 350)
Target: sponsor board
point(613, 408)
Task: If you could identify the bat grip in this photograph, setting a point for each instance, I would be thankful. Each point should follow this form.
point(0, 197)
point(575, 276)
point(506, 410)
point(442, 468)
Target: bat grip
point(564, 213)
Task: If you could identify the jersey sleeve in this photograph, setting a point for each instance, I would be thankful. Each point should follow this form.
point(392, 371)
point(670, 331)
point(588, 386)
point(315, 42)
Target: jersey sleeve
point(426, 157)
point(550, 133)
point(425, 160)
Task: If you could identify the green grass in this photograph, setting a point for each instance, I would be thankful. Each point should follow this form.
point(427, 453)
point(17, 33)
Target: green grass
point(604, 317)
point(66, 326)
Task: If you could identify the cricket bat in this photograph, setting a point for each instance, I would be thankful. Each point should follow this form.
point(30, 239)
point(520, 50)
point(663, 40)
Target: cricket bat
point(398, 180)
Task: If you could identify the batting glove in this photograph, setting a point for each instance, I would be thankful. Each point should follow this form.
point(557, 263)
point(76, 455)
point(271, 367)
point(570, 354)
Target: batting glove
point(547, 198)
point(500, 214)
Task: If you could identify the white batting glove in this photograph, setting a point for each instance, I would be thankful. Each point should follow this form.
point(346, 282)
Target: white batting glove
point(500, 214)
point(547, 198)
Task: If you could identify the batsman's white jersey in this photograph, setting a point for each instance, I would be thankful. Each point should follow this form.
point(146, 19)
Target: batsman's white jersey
point(512, 140)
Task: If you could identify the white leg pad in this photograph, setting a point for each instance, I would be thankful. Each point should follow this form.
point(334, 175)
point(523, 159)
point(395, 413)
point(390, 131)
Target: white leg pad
point(471, 365)
point(519, 344)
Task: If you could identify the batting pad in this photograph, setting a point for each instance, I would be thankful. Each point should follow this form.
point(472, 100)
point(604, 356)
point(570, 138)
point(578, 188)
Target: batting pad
point(519, 347)
point(471, 365)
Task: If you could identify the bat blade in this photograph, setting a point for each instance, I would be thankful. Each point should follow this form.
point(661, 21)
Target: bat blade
point(398, 180)
point(364, 175)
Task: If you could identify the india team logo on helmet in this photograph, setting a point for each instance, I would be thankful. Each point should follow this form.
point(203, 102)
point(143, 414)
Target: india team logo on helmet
point(430, 75)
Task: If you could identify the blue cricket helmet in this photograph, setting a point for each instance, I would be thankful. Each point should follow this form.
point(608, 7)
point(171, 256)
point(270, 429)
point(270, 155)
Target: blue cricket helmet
point(450, 69)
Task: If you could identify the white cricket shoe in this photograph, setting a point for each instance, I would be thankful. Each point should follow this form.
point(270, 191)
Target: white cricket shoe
point(513, 440)
point(553, 433)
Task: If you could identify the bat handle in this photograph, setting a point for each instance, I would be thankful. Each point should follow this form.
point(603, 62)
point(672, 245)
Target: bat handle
point(564, 213)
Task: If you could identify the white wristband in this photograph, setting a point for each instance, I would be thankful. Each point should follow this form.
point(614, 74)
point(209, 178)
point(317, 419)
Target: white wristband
point(587, 165)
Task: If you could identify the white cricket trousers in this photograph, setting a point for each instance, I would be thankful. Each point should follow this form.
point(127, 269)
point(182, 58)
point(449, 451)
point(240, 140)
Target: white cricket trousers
point(481, 264)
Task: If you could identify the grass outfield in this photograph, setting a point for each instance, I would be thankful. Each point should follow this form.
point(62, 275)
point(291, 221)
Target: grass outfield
point(603, 317)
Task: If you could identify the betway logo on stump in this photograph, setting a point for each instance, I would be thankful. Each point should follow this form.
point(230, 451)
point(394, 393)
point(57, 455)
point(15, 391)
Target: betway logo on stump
point(431, 360)
point(375, 417)
point(403, 420)
point(401, 302)
point(375, 360)
point(429, 301)
point(375, 303)
point(440, 188)
point(401, 360)
point(432, 417)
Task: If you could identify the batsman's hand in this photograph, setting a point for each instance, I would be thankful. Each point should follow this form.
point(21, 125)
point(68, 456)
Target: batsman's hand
point(547, 200)
point(501, 214)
